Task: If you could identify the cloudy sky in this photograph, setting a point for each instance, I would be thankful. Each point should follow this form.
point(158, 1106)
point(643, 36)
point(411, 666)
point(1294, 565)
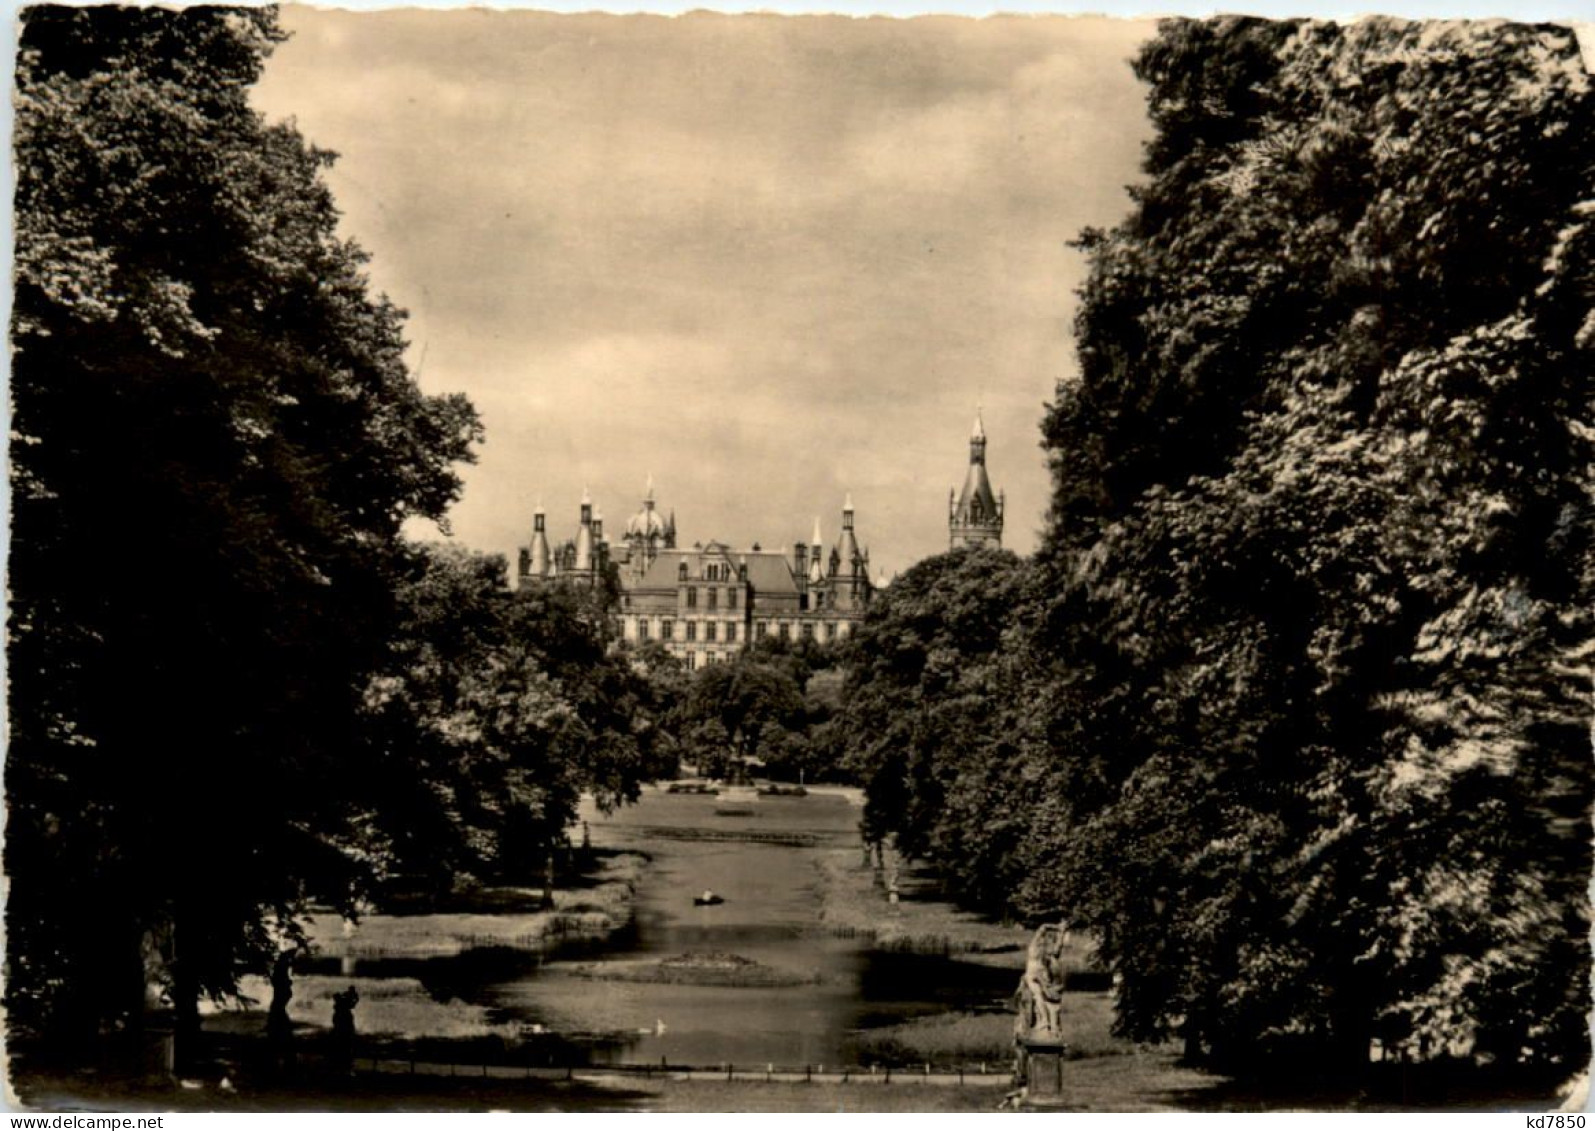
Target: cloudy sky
point(768, 260)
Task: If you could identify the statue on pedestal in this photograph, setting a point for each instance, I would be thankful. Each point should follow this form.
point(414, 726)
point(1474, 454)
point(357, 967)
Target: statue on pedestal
point(1038, 1030)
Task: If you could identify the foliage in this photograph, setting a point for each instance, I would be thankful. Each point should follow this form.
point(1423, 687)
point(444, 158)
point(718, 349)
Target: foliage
point(934, 723)
point(215, 442)
point(1320, 552)
point(499, 711)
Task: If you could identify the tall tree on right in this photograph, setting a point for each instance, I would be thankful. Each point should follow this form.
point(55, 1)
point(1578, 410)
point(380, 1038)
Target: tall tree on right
point(1320, 550)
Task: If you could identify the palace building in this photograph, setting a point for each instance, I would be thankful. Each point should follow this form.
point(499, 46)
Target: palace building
point(705, 603)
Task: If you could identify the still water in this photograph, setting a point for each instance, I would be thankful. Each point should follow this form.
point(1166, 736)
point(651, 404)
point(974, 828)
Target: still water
point(759, 854)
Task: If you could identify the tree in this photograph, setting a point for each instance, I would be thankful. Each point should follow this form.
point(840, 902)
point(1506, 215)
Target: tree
point(499, 711)
point(740, 707)
point(215, 442)
point(936, 725)
point(1319, 557)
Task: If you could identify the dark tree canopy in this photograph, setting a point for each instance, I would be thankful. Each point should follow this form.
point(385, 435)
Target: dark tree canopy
point(1320, 552)
point(215, 442)
point(1292, 711)
point(771, 704)
point(499, 710)
point(934, 721)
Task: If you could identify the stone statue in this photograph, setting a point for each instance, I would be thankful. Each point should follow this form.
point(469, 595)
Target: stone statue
point(1040, 994)
point(1039, 999)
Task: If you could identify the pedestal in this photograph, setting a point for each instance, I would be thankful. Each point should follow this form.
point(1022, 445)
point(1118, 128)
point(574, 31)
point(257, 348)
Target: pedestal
point(1044, 1071)
point(157, 1053)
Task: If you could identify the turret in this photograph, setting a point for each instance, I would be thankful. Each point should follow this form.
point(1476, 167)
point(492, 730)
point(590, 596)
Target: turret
point(584, 535)
point(536, 559)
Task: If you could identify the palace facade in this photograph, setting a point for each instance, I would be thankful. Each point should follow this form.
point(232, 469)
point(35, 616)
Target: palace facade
point(705, 603)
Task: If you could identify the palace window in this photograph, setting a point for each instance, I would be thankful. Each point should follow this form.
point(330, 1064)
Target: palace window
point(708, 632)
point(808, 631)
point(642, 628)
point(785, 632)
point(681, 572)
point(714, 598)
point(692, 631)
point(830, 631)
point(731, 634)
point(759, 630)
point(692, 597)
point(731, 599)
point(667, 630)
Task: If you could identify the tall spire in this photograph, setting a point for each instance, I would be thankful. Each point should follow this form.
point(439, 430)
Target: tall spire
point(846, 553)
point(976, 513)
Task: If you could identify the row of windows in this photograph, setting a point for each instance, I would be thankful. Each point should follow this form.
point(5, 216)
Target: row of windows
point(711, 631)
point(713, 598)
point(715, 632)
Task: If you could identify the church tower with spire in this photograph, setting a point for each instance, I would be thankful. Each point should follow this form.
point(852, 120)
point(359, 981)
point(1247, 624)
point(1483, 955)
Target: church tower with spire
point(974, 515)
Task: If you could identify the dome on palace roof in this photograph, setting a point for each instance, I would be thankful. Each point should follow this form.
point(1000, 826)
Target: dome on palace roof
point(646, 522)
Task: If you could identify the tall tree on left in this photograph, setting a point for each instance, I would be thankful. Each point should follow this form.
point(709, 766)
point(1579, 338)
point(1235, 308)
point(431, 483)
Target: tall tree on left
point(215, 442)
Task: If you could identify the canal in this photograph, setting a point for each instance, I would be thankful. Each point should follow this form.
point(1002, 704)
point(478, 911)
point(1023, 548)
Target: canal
point(815, 987)
point(759, 855)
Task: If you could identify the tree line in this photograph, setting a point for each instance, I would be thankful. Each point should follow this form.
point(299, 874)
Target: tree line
point(1292, 709)
point(236, 690)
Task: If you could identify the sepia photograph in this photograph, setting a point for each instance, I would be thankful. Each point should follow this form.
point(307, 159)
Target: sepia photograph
point(638, 563)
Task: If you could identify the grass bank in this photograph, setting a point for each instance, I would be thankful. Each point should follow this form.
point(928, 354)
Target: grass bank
point(598, 903)
point(388, 958)
point(965, 1037)
point(854, 902)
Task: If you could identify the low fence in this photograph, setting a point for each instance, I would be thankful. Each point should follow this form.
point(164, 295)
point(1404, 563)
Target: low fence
point(952, 1075)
